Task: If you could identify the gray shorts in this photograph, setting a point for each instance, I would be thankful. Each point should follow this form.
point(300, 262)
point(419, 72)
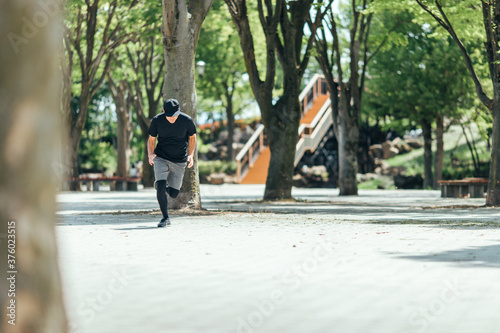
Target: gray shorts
point(170, 171)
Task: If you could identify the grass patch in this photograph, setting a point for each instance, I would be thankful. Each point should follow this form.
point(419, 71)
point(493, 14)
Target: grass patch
point(205, 168)
point(457, 162)
point(382, 182)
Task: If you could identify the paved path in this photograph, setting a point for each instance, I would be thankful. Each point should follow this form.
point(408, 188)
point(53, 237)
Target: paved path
point(385, 261)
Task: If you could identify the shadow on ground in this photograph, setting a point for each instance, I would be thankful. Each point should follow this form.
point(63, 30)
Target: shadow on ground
point(478, 256)
point(464, 224)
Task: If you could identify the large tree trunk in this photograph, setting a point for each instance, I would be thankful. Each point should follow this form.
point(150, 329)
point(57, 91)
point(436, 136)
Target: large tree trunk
point(148, 174)
point(124, 128)
point(75, 136)
point(438, 161)
point(427, 132)
point(493, 197)
point(124, 137)
point(30, 136)
point(230, 126)
point(179, 84)
point(181, 28)
point(348, 156)
point(282, 137)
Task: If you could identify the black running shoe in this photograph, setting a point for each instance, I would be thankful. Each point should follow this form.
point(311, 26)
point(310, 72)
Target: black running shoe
point(164, 222)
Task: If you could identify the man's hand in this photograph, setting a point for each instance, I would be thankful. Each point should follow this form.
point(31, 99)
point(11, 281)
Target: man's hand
point(190, 161)
point(151, 158)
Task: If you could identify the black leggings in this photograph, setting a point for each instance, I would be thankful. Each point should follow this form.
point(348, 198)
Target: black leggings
point(161, 196)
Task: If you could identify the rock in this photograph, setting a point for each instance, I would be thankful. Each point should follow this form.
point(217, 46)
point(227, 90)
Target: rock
point(318, 170)
point(216, 178)
point(391, 152)
point(230, 179)
point(314, 176)
point(403, 147)
point(408, 182)
point(212, 153)
point(386, 146)
point(298, 180)
point(394, 171)
point(377, 151)
point(415, 144)
point(361, 178)
point(396, 141)
point(380, 166)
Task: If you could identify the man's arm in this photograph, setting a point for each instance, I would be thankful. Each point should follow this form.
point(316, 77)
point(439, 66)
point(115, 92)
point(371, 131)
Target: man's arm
point(192, 146)
point(151, 149)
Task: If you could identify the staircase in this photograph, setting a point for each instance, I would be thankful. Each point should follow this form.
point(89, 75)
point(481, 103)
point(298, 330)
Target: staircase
point(253, 159)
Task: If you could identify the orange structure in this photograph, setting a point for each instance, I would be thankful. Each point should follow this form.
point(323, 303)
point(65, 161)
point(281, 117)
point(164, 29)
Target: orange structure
point(253, 159)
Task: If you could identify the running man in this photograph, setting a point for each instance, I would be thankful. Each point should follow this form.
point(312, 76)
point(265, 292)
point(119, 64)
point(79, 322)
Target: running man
point(176, 131)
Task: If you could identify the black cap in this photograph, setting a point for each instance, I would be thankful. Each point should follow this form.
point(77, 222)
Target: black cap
point(171, 107)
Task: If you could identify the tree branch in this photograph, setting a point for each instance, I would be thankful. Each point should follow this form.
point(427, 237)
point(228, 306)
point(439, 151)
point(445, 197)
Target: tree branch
point(468, 62)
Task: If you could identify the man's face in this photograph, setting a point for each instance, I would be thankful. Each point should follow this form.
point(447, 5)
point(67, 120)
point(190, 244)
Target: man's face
point(172, 119)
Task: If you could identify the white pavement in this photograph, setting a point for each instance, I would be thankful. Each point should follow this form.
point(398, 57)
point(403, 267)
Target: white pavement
point(385, 261)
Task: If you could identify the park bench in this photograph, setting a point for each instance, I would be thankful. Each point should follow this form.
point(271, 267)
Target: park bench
point(464, 188)
point(116, 183)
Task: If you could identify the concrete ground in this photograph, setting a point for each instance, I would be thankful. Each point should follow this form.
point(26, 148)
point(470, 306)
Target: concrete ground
point(384, 261)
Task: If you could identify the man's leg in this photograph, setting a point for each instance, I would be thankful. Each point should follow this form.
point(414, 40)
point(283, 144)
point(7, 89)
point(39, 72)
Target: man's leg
point(161, 173)
point(161, 196)
point(174, 178)
point(172, 192)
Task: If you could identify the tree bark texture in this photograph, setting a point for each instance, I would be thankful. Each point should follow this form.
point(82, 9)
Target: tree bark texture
point(427, 133)
point(348, 157)
point(30, 137)
point(124, 128)
point(438, 161)
point(230, 124)
point(493, 196)
point(182, 22)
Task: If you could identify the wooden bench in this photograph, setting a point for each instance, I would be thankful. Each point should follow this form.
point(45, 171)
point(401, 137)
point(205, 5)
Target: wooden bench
point(116, 183)
point(465, 188)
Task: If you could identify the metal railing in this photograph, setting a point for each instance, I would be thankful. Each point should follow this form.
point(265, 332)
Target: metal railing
point(310, 135)
point(249, 153)
point(254, 146)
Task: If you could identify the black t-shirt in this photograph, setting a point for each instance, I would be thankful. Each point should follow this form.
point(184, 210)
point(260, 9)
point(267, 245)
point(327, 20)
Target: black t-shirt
point(173, 138)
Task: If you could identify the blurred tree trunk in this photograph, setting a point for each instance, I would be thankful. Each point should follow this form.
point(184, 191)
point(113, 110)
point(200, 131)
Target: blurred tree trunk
point(182, 22)
point(124, 128)
point(427, 132)
point(148, 66)
point(230, 120)
point(438, 162)
point(30, 137)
